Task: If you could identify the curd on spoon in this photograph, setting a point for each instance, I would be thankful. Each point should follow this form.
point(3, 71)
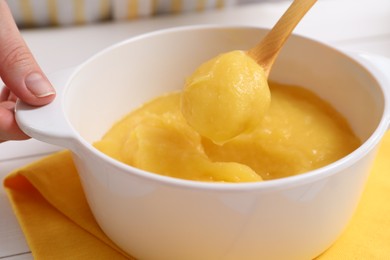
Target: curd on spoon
point(226, 96)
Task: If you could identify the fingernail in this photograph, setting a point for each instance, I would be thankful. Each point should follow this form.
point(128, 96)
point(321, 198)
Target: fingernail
point(38, 85)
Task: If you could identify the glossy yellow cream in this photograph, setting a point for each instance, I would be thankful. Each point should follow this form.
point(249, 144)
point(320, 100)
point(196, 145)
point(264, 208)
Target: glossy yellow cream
point(226, 96)
point(299, 132)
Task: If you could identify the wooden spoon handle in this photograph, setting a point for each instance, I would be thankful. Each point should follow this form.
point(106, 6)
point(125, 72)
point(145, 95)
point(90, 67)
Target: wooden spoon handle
point(266, 51)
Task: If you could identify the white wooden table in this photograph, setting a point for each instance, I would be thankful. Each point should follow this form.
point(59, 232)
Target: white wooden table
point(354, 25)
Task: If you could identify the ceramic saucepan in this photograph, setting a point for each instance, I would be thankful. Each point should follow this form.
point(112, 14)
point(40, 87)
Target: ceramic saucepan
point(157, 217)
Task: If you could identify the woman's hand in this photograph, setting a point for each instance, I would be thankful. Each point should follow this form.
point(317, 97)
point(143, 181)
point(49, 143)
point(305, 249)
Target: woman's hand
point(22, 76)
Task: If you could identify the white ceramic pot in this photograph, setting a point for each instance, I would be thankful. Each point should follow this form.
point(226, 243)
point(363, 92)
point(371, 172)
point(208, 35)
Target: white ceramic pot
point(157, 217)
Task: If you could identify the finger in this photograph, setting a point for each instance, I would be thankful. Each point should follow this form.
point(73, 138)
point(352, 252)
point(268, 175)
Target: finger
point(18, 68)
point(9, 130)
point(12, 97)
point(7, 95)
point(10, 105)
point(4, 94)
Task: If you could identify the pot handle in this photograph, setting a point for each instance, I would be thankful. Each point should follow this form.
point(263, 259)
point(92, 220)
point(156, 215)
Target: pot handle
point(381, 69)
point(52, 128)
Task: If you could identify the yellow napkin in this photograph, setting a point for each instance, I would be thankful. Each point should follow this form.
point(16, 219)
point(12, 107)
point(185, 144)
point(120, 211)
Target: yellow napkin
point(51, 208)
point(50, 205)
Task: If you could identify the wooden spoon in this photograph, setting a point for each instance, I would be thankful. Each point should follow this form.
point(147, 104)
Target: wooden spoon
point(266, 51)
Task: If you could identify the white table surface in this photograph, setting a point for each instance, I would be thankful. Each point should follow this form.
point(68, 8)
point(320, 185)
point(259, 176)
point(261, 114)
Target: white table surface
point(353, 25)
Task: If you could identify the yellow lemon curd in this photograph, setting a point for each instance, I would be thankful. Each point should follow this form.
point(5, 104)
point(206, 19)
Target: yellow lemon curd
point(226, 96)
point(222, 127)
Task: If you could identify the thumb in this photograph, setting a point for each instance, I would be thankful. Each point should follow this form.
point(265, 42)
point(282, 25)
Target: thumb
point(18, 68)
